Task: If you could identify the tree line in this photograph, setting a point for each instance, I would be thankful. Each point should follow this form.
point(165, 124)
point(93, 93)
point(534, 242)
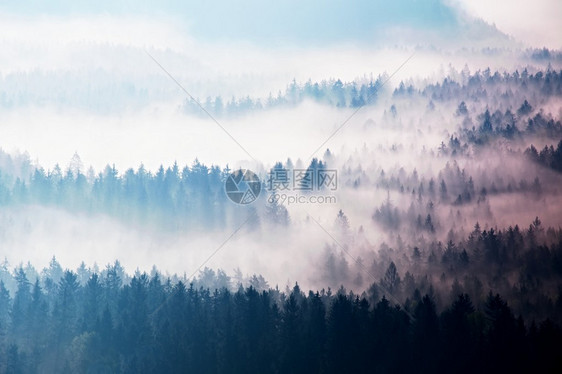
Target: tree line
point(150, 325)
point(331, 92)
point(549, 156)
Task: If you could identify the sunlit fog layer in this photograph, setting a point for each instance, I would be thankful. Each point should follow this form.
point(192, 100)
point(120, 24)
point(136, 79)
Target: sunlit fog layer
point(104, 102)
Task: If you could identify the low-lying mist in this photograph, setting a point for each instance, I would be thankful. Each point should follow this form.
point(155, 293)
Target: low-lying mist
point(417, 168)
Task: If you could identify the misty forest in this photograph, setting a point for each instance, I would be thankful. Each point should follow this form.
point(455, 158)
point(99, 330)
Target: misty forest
point(405, 214)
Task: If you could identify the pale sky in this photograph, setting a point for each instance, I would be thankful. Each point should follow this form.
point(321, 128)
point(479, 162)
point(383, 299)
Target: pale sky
point(320, 22)
point(536, 23)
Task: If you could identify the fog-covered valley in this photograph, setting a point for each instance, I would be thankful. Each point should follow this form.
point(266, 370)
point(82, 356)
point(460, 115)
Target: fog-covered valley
point(408, 175)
